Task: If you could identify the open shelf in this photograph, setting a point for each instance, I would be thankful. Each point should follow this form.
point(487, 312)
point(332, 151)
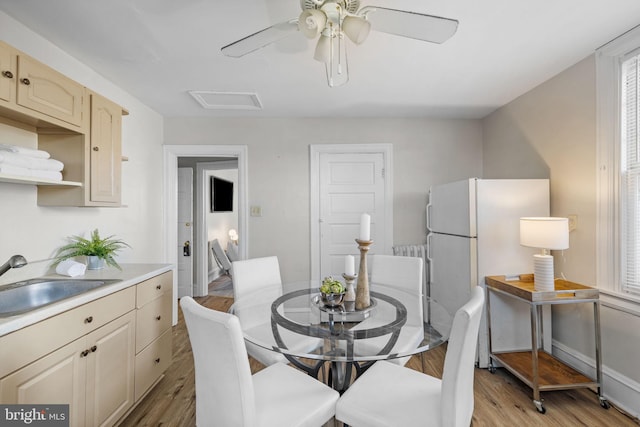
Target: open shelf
point(17, 179)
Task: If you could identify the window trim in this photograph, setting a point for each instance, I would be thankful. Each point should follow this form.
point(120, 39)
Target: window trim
point(608, 84)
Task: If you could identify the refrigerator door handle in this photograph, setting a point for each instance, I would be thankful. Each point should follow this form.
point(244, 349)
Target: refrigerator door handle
point(429, 259)
point(427, 213)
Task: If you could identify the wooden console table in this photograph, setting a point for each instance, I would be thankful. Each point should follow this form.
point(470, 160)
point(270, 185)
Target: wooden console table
point(537, 368)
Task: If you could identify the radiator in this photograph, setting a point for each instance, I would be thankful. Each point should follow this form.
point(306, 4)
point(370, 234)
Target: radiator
point(419, 251)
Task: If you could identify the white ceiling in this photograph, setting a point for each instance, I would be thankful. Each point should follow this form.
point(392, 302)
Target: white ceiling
point(158, 50)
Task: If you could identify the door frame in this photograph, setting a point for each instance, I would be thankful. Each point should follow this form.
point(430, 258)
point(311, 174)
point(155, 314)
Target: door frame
point(314, 192)
point(170, 184)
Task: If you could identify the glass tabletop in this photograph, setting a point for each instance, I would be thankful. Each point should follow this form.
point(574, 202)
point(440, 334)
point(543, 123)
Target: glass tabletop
point(292, 320)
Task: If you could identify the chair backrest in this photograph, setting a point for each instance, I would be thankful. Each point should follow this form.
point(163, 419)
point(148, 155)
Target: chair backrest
point(220, 255)
point(255, 274)
point(404, 273)
point(459, 363)
point(399, 271)
point(224, 386)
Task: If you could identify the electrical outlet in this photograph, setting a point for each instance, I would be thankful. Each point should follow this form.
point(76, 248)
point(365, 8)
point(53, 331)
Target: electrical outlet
point(573, 222)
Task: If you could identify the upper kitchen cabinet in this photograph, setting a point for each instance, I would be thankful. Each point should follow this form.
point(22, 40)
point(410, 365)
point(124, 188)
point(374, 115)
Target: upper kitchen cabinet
point(77, 126)
point(33, 93)
point(8, 67)
point(95, 159)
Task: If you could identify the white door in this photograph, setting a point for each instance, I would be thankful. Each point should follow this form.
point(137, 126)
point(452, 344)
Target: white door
point(350, 184)
point(185, 232)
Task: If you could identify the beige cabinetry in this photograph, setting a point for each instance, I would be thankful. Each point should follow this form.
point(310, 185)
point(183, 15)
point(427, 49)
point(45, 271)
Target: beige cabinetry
point(93, 373)
point(101, 357)
point(74, 124)
point(46, 91)
point(39, 95)
point(94, 159)
point(153, 331)
point(8, 72)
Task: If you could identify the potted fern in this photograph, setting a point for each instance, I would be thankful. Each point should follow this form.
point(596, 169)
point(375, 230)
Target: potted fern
point(98, 251)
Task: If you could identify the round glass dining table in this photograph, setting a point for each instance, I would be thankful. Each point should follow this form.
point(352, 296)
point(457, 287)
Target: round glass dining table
point(292, 320)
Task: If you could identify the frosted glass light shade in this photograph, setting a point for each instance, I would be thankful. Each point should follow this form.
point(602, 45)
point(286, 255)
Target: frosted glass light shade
point(544, 232)
point(356, 28)
point(323, 49)
point(312, 22)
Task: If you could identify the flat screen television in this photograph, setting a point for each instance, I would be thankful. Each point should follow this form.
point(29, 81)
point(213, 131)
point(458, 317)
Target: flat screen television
point(221, 195)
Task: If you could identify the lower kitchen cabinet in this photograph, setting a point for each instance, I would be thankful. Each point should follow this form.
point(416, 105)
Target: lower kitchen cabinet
point(101, 358)
point(93, 374)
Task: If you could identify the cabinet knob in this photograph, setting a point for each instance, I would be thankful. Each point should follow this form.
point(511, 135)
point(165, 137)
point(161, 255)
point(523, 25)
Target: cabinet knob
point(158, 317)
point(84, 353)
point(7, 74)
point(96, 148)
point(25, 81)
point(88, 319)
point(94, 348)
point(159, 287)
point(157, 360)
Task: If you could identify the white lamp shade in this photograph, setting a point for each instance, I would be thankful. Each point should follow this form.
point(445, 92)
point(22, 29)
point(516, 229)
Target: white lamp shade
point(544, 232)
point(311, 22)
point(356, 28)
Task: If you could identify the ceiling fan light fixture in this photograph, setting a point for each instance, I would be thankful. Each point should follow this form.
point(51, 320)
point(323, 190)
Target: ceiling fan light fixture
point(356, 28)
point(312, 22)
point(323, 49)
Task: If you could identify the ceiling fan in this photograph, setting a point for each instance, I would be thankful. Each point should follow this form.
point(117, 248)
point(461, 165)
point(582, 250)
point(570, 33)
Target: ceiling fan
point(335, 20)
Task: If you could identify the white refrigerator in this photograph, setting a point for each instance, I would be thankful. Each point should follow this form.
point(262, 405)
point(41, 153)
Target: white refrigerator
point(474, 232)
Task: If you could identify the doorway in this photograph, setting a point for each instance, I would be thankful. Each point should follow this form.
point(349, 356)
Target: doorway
point(170, 164)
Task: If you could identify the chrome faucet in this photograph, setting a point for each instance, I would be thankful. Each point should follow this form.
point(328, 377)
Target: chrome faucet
point(15, 261)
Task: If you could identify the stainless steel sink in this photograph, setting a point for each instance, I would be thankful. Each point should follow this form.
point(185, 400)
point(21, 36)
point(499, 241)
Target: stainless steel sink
point(22, 297)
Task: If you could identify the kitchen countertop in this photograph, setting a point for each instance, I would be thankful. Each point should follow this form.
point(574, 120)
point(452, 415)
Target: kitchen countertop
point(130, 275)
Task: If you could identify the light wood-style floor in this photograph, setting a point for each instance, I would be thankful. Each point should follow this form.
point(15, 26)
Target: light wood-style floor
point(500, 399)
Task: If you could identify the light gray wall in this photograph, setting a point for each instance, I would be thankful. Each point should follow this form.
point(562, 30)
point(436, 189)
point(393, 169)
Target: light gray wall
point(36, 232)
point(551, 132)
point(426, 152)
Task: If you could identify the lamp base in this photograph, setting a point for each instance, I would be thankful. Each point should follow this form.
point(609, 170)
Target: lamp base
point(543, 272)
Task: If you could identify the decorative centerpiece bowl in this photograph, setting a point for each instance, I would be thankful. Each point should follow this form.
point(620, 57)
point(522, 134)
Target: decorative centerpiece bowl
point(332, 300)
point(332, 292)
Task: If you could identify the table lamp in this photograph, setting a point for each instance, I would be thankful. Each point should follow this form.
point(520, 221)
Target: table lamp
point(546, 233)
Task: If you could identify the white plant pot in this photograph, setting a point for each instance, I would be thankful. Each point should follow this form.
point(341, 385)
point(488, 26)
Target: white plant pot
point(95, 263)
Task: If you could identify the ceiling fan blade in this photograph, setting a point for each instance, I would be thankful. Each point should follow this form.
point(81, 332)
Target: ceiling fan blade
point(434, 29)
point(260, 39)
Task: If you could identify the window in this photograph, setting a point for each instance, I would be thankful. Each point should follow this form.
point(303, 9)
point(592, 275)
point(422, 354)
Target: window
point(618, 151)
point(630, 174)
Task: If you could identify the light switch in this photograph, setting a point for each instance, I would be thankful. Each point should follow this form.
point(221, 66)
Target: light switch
point(573, 222)
point(256, 211)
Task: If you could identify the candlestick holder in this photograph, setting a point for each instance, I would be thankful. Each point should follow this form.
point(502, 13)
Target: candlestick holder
point(362, 288)
point(350, 295)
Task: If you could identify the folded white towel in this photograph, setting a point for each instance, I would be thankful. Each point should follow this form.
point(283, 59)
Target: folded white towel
point(70, 268)
point(18, 171)
point(52, 175)
point(24, 161)
point(14, 170)
point(24, 150)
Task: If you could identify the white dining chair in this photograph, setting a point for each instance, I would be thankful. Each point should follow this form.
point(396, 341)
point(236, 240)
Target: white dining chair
point(405, 273)
point(261, 276)
point(227, 395)
point(388, 395)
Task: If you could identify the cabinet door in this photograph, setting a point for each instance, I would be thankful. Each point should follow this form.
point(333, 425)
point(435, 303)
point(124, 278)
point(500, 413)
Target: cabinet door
point(110, 371)
point(106, 151)
point(7, 72)
point(43, 89)
point(58, 378)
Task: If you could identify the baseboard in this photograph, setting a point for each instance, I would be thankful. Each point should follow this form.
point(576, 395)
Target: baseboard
point(618, 389)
